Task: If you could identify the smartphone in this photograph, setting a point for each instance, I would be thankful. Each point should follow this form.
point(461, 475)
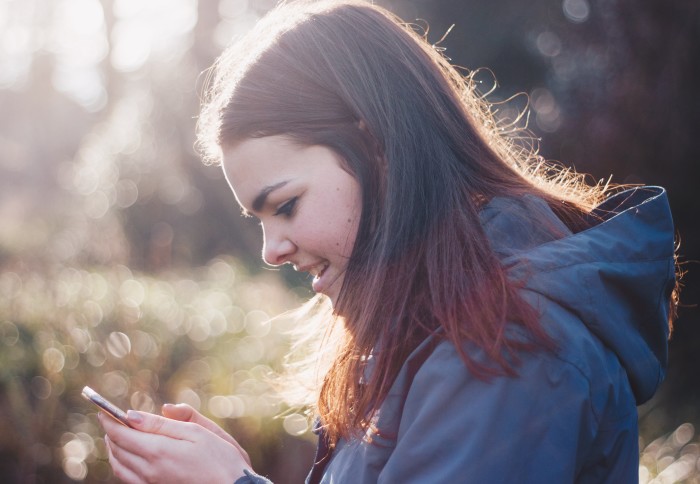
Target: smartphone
point(108, 407)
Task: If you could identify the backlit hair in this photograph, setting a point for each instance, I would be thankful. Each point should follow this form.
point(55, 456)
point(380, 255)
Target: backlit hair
point(427, 153)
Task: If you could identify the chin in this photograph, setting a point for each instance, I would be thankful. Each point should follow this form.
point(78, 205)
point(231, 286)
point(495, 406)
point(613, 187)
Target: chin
point(332, 296)
point(331, 292)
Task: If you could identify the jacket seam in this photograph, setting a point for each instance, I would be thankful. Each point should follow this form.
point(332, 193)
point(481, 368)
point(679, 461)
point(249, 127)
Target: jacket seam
point(523, 263)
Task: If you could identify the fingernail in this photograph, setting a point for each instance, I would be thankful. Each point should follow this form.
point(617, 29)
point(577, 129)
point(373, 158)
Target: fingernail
point(134, 417)
point(168, 406)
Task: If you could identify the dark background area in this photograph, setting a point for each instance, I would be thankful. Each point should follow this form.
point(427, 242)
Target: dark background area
point(623, 78)
point(99, 181)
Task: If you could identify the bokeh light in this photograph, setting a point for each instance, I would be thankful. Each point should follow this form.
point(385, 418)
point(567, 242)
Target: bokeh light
point(124, 265)
point(296, 424)
point(576, 11)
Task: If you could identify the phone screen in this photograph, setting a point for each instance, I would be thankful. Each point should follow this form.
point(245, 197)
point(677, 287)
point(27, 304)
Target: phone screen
point(109, 408)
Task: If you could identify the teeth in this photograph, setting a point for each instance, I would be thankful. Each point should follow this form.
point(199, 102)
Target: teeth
point(318, 270)
point(315, 270)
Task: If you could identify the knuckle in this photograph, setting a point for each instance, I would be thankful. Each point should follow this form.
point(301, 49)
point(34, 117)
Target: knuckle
point(150, 475)
point(112, 439)
point(118, 473)
point(158, 425)
point(192, 428)
point(112, 451)
point(152, 452)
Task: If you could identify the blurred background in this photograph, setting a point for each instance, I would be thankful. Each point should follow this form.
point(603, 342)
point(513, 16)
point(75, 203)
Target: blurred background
point(124, 263)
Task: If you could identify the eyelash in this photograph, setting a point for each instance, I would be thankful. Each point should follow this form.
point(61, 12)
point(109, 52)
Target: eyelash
point(287, 209)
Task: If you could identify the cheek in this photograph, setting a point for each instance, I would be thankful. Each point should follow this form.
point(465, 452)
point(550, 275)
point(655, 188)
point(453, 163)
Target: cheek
point(352, 223)
point(332, 216)
point(334, 229)
point(348, 225)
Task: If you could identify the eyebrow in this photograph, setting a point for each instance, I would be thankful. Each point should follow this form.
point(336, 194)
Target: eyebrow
point(261, 198)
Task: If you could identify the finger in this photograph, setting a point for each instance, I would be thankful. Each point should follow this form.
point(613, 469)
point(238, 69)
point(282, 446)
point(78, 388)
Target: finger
point(186, 413)
point(118, 433)
point(111, 426)
point(156, 424)
point(122, 472)
point(136, 442)
point(181, 411)
point(125, 457)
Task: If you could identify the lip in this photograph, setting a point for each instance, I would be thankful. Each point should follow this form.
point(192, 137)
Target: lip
point(313, 269)
point(321, 277)
point(318, 284)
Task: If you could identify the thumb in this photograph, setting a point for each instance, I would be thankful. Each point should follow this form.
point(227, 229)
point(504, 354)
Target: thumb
point(181, 411)
point(186, 413)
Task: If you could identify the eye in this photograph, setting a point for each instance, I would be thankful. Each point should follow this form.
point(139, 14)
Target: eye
point(287, 208)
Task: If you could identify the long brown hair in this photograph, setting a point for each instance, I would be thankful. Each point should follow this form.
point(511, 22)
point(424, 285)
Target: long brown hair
point(427, 153)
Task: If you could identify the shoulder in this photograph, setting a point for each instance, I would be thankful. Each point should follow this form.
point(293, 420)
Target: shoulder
point(541, 421)
point(579, 389)
point(440, 421)
point(514, 225)
point(540, 375)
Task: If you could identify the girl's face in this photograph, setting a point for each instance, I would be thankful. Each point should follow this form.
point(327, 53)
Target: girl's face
point(308, 205)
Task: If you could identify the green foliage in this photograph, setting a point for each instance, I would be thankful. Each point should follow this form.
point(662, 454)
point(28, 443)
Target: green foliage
point(107, 215)
point(202, 336)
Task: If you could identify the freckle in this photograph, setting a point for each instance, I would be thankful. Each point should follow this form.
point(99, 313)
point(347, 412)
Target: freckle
point(337, 189)
point(349, 220)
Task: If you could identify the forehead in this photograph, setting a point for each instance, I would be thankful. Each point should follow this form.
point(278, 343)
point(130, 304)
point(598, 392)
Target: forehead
point(255, 165)
point(252, 156)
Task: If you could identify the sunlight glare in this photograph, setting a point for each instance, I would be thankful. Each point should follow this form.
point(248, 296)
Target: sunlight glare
point(15, 43)
point(156, 29)
point(77, 37)
point(128, 8)
point(131, 42)
point(80, 17)
point(232, 8)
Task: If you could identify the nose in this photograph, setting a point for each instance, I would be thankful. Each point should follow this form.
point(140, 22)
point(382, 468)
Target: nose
point(277, 248)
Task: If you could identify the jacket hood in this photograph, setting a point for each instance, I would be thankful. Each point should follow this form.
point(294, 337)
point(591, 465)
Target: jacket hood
point(616, 276)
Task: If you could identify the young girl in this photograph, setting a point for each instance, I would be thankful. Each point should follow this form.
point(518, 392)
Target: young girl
point(496, 319)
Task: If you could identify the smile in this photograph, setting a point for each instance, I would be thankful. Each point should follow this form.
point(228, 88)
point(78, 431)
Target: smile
point(319, 284)
point(315, 270)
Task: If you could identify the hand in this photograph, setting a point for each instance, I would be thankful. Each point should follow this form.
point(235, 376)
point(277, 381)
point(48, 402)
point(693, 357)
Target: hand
point(186, 413)
point(160, 449)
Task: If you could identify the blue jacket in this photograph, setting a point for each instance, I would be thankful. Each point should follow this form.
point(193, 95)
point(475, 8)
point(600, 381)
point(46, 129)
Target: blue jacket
point(570, 415)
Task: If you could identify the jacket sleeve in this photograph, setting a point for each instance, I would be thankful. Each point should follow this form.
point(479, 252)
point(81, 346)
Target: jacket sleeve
point(252, 478)
point(456, 428)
